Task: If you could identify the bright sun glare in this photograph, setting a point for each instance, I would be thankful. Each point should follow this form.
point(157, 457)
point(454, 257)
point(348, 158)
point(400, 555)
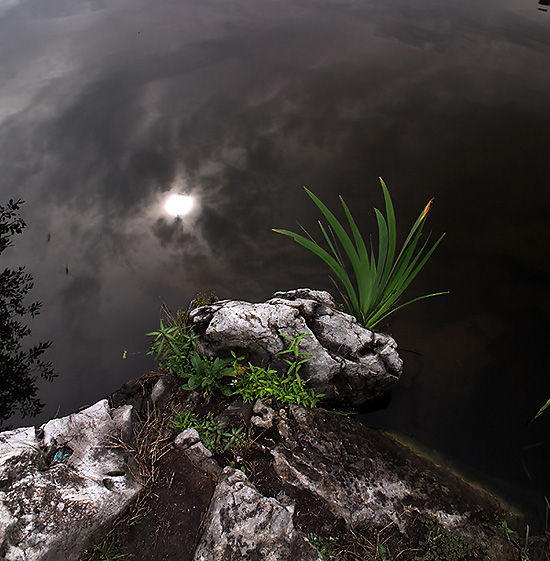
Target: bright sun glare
point(178, 205)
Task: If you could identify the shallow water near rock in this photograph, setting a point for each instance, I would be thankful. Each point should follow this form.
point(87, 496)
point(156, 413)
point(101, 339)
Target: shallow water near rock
point(461, 471)
point(107, 110)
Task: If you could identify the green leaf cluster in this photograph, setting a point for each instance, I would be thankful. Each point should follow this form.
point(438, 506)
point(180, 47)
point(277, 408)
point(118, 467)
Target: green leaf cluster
point(258, 382)
point(209, 373)
point(173, 345)
point(372, 292)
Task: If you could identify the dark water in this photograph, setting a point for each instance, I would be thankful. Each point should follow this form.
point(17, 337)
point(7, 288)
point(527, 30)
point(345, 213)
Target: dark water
point(106, 107)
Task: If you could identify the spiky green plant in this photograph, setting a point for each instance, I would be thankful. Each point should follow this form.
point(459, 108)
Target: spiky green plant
point(378, 281)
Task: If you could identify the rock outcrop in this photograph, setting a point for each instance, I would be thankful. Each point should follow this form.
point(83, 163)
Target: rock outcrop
point(351, 365)
point(367, 478)
point(63, 485)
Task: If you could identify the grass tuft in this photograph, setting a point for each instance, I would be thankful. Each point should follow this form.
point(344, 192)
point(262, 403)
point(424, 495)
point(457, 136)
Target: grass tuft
point(373, 291)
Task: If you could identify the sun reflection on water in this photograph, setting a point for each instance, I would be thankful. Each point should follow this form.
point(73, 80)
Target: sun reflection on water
point(178, 204)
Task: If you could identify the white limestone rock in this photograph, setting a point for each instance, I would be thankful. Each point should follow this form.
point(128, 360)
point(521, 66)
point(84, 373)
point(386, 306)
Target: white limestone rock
point(263, 418)
point(349, 364)
point(62, 485)
point(242, 524)
point(366, 477)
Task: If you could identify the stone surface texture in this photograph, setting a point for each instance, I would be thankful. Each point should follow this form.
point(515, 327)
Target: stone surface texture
point(63, 484)
point(365, 476)
point(263, 415)
point(242, 524)
point(350, 364)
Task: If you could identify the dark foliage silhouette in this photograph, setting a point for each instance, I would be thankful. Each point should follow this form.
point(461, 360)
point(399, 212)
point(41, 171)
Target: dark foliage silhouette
point(20, 366)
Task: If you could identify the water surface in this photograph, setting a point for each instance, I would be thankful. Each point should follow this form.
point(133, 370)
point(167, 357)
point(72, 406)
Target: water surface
point(108, 107)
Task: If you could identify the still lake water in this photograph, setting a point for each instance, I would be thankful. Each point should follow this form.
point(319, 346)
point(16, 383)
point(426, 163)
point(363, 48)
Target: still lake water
point(107, 107)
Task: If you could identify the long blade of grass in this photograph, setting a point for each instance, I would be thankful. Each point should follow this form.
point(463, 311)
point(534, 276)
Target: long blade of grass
point(351, 302)
point(335, 266)
point(400, 283)
point(360, 266)
point(402, 271)
point(333, 247)
point(377, 287)
point(342, 235)
point(401, 278)
point(367, 273)
point(378, 317)
point(386, 307)
point(405, 256)
point(359, 243)
point(541, 411)
point(410, 275)
point(416, 230)
point(392, 230)
point(403, 266)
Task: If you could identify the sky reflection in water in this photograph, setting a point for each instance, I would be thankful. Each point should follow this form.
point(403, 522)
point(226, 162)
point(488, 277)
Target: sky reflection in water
point(106, 108)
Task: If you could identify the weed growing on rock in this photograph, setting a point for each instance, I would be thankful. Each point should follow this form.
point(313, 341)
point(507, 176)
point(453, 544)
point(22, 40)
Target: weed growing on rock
point(209, 373)
point(173, 345)
point(202, 299)
point(378, 281)
point(530, 548)
point(105, 551)
point(324, 547)
point(257, 382)
point(183, 421)
point(295, 361)
point(361, 544)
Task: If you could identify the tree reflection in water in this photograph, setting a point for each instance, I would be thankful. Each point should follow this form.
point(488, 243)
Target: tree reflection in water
point(20, 367)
